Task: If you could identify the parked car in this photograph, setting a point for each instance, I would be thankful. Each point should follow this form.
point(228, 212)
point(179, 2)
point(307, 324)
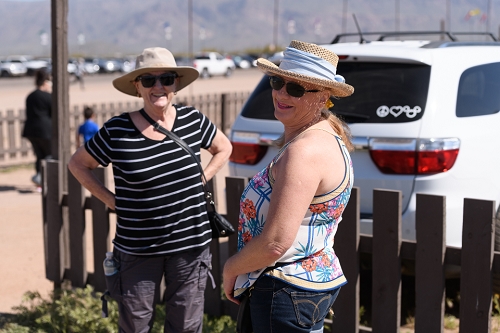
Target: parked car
point(108, 65)
point(9, 68)
point(127, 64)
point(244, 61)
point(276, 57)
point(90, 66)
point(14, 67)
point(213, 63)
point(424, 118)
point(183, 61)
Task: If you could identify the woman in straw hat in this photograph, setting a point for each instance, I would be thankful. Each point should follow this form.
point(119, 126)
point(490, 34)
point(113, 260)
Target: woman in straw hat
point(290, 211)
point(162, 226)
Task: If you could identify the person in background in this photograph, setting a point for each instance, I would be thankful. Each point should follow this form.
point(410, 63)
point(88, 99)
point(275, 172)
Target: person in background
point(290, 211)
point(80, 72)
point(88, 128)
point(162, 227)
point(38, 125)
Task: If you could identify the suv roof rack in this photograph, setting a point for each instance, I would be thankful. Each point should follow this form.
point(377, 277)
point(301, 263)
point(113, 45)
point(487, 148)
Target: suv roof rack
point(383, 35)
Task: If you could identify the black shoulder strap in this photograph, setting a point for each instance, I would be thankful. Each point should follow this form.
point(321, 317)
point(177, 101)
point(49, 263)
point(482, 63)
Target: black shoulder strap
point(183, 145)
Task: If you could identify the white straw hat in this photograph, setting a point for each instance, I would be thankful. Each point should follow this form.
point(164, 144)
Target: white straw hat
point(309, 63)
point(154, 59)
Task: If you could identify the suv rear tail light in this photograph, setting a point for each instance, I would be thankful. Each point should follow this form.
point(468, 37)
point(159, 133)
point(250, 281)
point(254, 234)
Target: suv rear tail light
point(250, 148)
point(414, 156)
point(247, 153)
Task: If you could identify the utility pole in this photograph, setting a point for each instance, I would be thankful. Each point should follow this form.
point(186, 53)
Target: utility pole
point(190, 38)
point(344, 16)
point(397, 15)
point(488, 16)
point(448, 15)
point(274, 45)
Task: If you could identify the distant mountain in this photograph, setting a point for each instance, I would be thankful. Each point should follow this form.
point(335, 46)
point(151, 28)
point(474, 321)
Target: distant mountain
point(118, 27)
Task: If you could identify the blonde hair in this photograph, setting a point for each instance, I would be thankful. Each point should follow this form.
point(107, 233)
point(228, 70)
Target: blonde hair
point(338, 125)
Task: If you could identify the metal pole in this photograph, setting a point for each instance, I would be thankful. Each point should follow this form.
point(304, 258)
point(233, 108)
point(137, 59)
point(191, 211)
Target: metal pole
point(276, 17)
point(488, 14)
point(344, 16)
point(397, 15)
point(448, 15)
point(190, 38)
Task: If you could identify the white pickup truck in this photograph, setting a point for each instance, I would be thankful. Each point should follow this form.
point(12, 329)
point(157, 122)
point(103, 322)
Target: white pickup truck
point(212, 63)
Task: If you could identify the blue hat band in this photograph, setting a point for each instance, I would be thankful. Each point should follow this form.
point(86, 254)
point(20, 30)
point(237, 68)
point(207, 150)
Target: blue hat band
point(308, 64)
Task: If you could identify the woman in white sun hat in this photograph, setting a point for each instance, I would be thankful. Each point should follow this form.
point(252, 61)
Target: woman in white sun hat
point(286, 268)
point(162, 227)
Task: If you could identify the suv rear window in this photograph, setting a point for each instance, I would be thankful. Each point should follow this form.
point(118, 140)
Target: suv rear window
point(478, 91)
point(383, 93)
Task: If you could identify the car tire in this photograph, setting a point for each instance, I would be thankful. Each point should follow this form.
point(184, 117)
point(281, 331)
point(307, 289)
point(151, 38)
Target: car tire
point(496, 276)
point(204, 74)
point(229, 72)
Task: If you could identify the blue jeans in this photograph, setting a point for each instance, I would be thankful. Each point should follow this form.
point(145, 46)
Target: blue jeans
point(278, 307)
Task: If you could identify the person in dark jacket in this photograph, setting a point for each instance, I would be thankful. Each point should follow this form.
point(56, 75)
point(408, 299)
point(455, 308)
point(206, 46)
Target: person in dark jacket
point(38, 124)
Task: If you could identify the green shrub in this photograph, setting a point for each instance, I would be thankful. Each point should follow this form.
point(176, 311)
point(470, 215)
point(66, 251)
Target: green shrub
point(79, 310)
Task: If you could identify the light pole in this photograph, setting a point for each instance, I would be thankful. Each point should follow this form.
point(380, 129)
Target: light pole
point(168, 33)
point(317, 29)
point(202, 36)
point(44, 40)
point(274, 45)
point(397, 15)
point(81, 41)
point(344, 16)
point(291, 28)
point(190, 38)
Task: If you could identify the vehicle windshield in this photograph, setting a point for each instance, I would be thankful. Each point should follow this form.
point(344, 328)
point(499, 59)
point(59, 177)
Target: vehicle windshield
point(383, 93)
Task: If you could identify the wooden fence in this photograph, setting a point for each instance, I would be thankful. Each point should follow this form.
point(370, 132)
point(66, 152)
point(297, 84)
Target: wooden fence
point(66, 239)
point(221, 109)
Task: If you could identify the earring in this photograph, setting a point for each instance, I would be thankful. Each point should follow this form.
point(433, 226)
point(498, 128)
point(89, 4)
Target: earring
point(329, 104)
point(139, 94)
point(175, 92)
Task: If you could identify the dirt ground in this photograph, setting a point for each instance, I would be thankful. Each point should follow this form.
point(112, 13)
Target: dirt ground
point(21, 235)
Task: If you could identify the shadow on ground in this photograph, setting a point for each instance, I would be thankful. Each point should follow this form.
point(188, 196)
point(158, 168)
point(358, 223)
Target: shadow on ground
point(20, 189)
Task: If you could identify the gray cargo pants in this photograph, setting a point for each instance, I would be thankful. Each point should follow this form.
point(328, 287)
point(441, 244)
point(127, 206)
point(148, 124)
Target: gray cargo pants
point(140, 279)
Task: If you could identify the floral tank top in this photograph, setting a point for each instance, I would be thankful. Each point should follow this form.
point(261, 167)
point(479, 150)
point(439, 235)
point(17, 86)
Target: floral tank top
point(310, 263)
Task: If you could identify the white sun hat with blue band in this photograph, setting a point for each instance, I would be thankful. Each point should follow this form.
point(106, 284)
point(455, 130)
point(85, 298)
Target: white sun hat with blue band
point(309, 63)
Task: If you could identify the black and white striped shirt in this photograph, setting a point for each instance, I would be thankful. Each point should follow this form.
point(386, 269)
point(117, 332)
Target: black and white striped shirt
point(160, 203)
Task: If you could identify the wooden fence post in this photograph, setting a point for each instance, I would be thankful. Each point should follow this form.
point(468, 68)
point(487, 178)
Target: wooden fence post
point(213, 301)
point(234, 189)
point(429, 263)
point(53, 226)
point(223, 101)
point(100, 233)
point(346, 307)
point(477, 257)
point(386, 292)
point(77, 243)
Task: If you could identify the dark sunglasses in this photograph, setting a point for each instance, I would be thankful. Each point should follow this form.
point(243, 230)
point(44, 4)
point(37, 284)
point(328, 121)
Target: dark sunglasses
point(293, 89)
point(149, 80)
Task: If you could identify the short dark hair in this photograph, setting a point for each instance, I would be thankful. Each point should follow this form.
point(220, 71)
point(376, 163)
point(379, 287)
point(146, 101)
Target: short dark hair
point(41, 76)
point(88, 112)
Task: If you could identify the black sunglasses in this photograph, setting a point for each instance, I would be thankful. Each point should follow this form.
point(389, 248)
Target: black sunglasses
point(149, 80)
point(293, 89)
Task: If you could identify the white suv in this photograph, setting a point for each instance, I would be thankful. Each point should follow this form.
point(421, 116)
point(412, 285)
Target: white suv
point(424, 118)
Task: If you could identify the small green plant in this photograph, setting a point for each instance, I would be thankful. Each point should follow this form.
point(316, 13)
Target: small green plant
point(76, 310)
point(79, 310)
point(450, 322)
point(496, 305)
